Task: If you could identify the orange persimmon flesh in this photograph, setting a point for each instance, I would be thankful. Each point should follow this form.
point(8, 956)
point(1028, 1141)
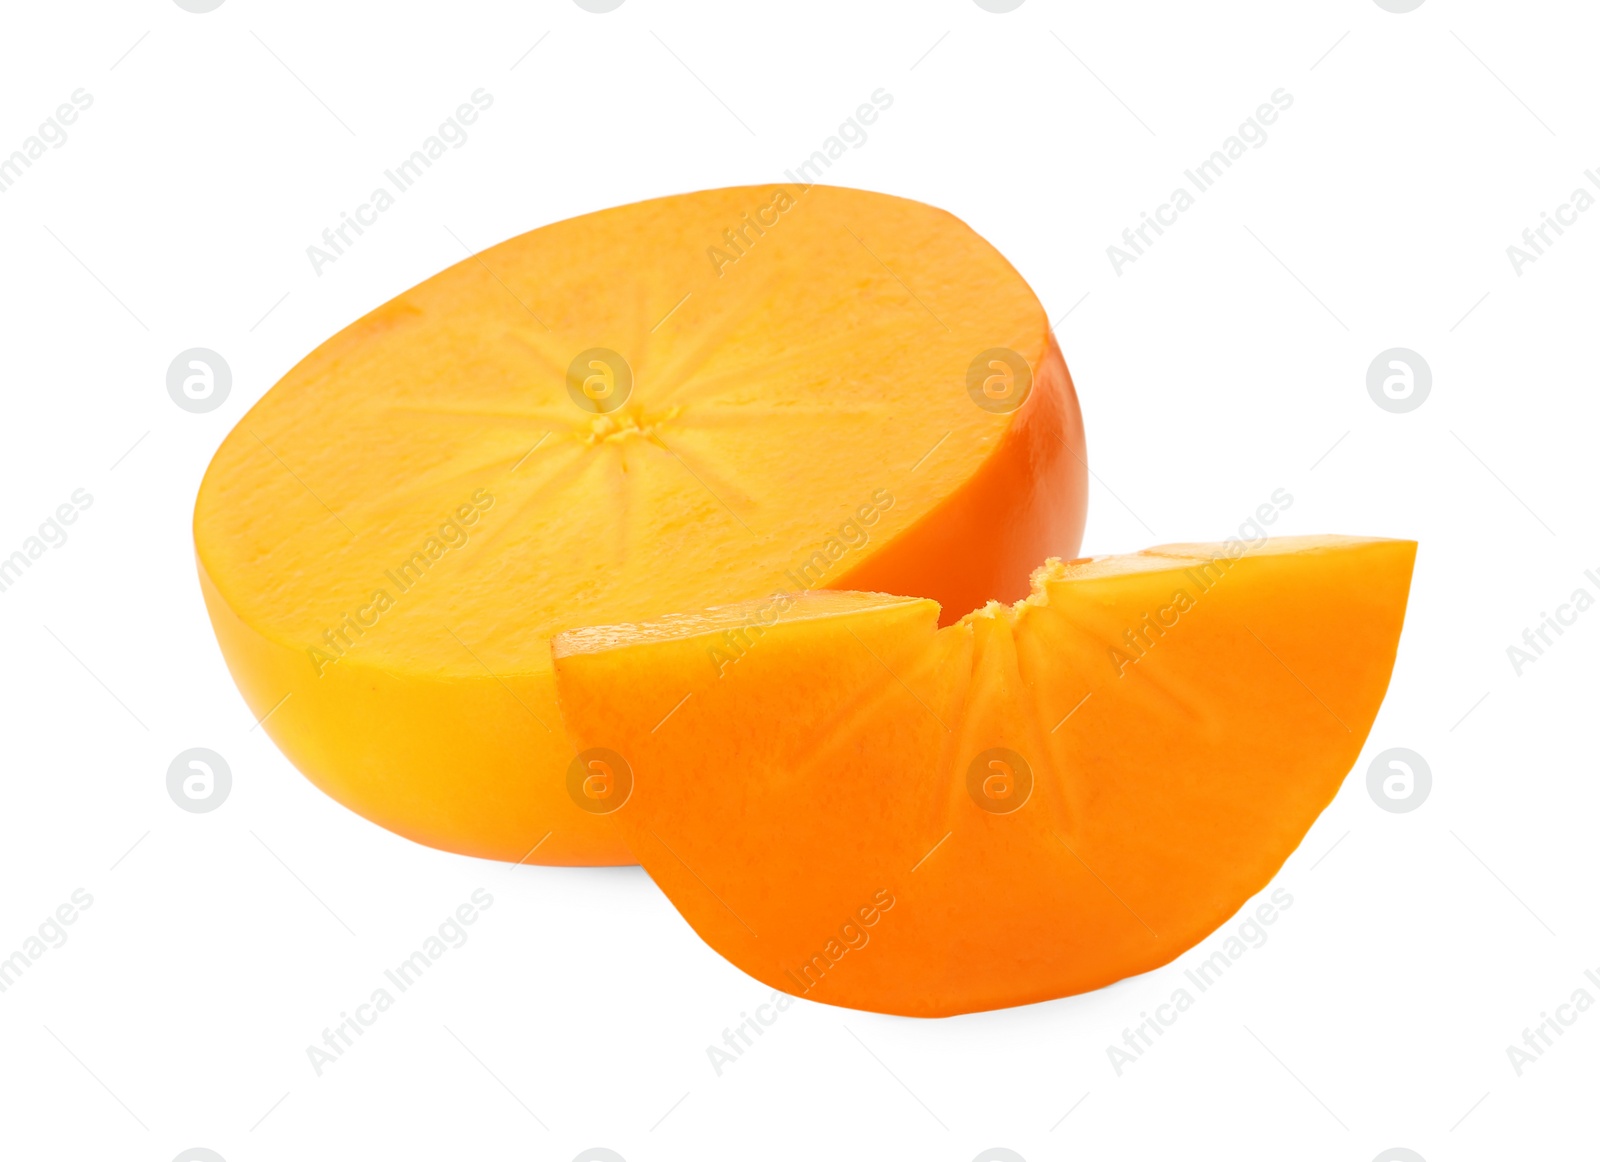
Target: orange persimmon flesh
point(870, 811)
point(389, 538)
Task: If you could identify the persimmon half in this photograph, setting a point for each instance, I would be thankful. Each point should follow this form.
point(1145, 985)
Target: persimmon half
point(868, 810)
point(709, 397)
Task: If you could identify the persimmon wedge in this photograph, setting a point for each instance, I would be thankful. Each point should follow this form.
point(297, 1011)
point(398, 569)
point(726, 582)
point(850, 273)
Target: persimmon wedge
point(704, 397)
point(856, 806)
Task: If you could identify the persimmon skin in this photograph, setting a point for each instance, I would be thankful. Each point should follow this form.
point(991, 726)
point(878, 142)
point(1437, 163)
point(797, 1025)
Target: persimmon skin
point(965, 553)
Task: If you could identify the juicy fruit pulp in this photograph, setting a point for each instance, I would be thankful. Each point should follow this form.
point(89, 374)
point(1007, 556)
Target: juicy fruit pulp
point(1036, 801)
point(603, 421)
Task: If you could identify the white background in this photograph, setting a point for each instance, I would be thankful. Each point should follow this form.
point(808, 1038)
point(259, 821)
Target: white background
point(1227, 362)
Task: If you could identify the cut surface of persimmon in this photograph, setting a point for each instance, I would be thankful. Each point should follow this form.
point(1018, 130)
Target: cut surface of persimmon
point(713, 396)
point(870, 811)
